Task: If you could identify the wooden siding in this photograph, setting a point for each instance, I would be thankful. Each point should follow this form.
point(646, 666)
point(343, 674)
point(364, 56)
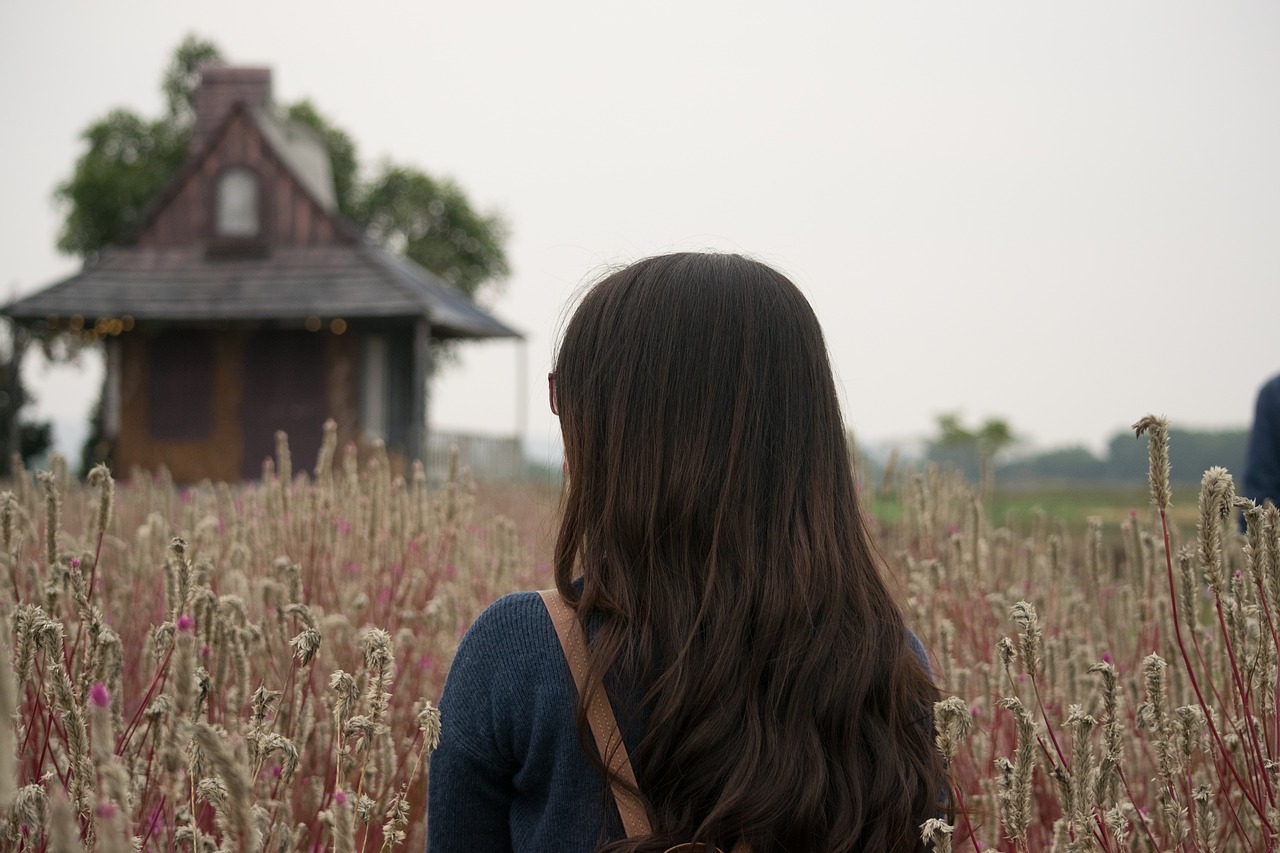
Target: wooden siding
point(222, 454)
point(289, 215)
point(216, 457)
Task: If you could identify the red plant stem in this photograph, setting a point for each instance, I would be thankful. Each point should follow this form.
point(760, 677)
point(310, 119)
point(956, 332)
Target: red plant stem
point(93, 573)
point(36, 715)
point(156, 681)
point(967, 824)
point(1244, 706)
point(1141, 817)
point(151, 824)
point(1217, 695)
point(1049, 726)
point(51, 724)
point(1195, 682)
point(1272, 733)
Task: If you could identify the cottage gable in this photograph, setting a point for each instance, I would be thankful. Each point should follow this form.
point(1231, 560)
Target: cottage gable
point(255, 181)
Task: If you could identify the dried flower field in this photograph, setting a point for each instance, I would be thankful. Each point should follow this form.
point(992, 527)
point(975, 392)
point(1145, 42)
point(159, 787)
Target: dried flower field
point(251, 667)
point(234, 667)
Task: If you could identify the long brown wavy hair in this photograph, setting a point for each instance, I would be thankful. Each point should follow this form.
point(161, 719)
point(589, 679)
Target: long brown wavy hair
point(732, 590)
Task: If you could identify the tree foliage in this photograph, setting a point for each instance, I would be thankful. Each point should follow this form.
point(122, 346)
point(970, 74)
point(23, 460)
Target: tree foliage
point(987, 441)
point(958, 445)
point(182, 78)
point(129, 160)
point(431, 222)
point(128, 163)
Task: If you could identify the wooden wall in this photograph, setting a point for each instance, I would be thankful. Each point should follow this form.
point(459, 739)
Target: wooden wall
point(215, 458)
point(218, 457)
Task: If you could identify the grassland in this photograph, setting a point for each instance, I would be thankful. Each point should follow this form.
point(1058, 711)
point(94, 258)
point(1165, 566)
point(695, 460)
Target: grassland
point(253, 666)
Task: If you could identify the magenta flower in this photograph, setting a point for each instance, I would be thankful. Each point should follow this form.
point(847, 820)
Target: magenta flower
point(186, 624)
point(340, 797)
point(98, 695)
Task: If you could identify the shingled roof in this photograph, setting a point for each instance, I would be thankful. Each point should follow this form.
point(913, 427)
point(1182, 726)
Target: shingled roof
point(292, 283)
point(343, 276)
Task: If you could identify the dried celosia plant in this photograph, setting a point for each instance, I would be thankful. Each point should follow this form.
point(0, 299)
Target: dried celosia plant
point(1137, 706)
point(168, 654)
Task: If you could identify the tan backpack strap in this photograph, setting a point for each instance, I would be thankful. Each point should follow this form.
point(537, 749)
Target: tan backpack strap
point(604, 725)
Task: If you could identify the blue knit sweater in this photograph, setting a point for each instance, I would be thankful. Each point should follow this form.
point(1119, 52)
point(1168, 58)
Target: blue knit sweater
point(509, 774)
point(1262, 460)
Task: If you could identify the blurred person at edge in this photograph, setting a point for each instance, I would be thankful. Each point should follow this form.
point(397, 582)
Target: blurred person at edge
point(1262, 459)
point(768, 691)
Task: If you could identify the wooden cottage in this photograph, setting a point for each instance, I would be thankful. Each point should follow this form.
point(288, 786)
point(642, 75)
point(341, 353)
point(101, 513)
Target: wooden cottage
point(244, 303)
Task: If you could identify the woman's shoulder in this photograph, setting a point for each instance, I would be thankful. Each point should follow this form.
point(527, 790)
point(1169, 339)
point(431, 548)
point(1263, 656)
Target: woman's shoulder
point(511, 612)
point(511, 628)
point(504, 664)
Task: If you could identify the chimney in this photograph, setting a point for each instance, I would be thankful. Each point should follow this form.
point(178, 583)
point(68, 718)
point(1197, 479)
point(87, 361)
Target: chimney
point(221, 88)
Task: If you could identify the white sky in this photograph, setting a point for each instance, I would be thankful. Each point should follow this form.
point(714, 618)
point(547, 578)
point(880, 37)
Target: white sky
point(1063, 214)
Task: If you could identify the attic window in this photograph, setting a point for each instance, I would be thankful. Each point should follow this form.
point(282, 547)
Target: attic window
point(238, 206)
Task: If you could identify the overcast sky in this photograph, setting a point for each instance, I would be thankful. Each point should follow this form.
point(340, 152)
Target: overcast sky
point(1063, 214)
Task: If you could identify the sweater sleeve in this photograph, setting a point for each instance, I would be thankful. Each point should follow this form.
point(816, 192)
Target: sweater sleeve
point(470, 789)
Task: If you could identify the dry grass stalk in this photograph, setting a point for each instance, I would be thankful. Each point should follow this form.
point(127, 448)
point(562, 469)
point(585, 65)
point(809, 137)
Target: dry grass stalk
point(167, 651)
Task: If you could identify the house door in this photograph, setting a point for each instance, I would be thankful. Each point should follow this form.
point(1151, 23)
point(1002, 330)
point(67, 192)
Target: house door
point(284, 388)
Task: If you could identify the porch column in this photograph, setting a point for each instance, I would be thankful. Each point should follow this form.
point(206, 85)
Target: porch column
point(420, 401)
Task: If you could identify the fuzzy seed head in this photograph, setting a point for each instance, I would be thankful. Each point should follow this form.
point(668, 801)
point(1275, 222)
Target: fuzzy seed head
point(1157, 430)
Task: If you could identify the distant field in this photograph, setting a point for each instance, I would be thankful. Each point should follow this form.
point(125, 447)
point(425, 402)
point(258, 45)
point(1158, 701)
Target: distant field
point(1071, 506)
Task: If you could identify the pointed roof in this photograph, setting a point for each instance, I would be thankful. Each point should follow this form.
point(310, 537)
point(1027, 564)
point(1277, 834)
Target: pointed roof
point(183, 283)
point(347, 277)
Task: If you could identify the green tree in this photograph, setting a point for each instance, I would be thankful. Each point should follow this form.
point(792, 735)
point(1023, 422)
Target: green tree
point(182, 78)
point(431, 222)
point(959, 442)
point(19, 437)
point(129, 160)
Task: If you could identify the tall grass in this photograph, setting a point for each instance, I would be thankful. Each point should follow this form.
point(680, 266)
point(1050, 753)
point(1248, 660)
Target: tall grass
point(1108, 691)
point(233, 667)
point(251, 667)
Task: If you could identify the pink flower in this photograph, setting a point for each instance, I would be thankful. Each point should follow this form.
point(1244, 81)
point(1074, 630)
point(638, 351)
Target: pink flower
point(275, 771)
point(186, 624)
point(1106, 658)
point(98, 695)
point(340, 797)
point(106, 811)
point(75, 563)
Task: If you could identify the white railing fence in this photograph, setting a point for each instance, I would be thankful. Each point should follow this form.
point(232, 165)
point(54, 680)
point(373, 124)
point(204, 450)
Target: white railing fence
point(490, 459)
